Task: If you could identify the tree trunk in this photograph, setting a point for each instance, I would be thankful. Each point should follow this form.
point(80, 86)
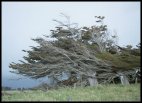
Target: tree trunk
point(52, 81)
point(137, 75)
point(92, 80)
point(136, 80)
point(124, 80)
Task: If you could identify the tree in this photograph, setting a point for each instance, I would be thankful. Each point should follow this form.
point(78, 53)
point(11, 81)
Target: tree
point(6, 88)
point(70, 54)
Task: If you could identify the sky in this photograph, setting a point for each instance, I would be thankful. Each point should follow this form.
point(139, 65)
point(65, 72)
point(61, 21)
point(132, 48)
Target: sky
point(22, 21)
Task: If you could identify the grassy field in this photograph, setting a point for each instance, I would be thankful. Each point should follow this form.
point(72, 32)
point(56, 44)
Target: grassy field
point(100, 93)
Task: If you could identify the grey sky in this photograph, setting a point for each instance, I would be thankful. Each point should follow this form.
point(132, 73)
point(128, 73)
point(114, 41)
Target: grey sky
point(22, 21)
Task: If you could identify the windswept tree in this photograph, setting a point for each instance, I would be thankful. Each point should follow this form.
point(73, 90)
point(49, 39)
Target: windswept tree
point(72, 54)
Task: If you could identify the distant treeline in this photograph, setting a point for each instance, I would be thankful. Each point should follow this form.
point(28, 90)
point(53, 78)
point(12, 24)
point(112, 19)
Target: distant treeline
point(10, 88)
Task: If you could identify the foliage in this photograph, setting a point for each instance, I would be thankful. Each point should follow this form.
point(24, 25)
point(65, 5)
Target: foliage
point(125, 60)
point(6, 88)
point(90, 53)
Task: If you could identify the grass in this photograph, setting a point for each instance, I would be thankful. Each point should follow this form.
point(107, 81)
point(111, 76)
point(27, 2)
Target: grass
point(100, 93)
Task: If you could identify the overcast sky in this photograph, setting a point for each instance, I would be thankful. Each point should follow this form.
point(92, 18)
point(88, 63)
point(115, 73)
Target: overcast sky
point(22, 21)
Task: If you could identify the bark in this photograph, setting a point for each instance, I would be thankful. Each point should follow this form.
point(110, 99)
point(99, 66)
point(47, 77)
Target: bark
point(124, 79)
point(137, 75)
point(92, 78)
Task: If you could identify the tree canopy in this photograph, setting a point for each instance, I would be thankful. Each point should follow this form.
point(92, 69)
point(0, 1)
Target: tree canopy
point(87, 53)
